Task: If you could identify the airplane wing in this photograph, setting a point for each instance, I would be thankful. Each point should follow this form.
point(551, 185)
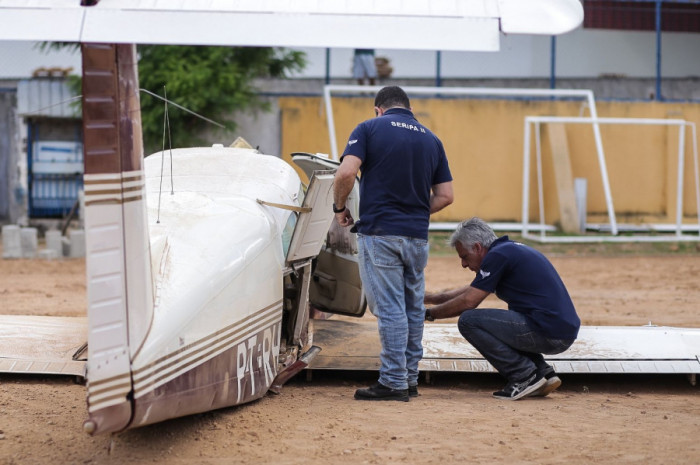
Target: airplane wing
point(459, 25)
point(354, 345)
point(47, 345)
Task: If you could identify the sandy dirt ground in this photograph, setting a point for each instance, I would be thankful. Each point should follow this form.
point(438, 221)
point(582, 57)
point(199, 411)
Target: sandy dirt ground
point(650, 419)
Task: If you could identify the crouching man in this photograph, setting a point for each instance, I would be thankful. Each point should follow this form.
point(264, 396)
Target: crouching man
point(541, 319)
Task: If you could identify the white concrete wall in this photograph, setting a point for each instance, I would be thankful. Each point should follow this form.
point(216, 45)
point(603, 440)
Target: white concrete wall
point(580, 54)
point(19, 59)
point(590, 53)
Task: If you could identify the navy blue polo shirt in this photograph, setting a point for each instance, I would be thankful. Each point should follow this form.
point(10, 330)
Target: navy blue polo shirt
point(526, 280)
point(401, 161)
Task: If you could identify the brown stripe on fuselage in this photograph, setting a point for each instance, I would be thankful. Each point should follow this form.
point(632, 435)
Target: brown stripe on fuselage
point(132, 178)
point(113, 191)
point(89, 203)
point(116, 187)
point(103, 192)
point(124, 178)
point(120, 388)
point(113, 201)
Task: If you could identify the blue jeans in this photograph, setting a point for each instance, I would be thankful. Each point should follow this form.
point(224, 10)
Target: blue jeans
point(508, 342)
point(391, 268)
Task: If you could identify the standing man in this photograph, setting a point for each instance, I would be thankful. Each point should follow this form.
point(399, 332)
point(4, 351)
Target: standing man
point(541, 319)
point(401, 163)
point(363, 66)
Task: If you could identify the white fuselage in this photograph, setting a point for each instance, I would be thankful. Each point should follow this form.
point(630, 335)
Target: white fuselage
point(217, 264)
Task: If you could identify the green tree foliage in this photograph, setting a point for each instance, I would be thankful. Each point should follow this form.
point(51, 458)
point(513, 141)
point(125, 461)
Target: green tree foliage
point(211, 81)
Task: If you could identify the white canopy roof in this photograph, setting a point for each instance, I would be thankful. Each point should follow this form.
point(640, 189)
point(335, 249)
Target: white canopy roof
point(459, 25)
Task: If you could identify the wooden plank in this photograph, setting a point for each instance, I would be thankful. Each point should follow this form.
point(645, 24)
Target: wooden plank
point(568, 213)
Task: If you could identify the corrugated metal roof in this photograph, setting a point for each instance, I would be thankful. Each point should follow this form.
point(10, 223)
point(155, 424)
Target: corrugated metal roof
point(46, 97)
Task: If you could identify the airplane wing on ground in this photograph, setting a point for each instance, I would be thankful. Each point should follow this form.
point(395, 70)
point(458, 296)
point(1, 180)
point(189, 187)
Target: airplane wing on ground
point(354, 345)
point(392, 24)
point(46, 345)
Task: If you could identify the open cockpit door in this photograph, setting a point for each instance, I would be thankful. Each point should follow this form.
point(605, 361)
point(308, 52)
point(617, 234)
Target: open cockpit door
point(315, 217)
point(335, 282)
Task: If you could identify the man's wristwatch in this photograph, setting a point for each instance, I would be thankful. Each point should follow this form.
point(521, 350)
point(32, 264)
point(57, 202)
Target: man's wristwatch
point(428, 316)
point(338, 210)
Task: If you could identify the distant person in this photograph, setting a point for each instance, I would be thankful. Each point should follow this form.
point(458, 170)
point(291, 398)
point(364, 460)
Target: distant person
point(405, 178)
point(363, 66)
point(541, 318)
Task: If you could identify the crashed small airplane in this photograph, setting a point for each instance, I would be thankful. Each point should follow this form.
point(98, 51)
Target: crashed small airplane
point(203, 263)
point(203, 302)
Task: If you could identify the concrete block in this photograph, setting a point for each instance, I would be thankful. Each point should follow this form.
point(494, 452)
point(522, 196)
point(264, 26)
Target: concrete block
point(47, 254)
point(11, 242)
point(28, 238)
point(53, 242)
point(77, 243)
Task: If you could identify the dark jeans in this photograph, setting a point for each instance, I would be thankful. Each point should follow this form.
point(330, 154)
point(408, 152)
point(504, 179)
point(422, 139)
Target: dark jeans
point(506, 340)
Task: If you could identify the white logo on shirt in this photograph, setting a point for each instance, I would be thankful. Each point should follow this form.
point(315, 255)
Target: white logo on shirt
point(350, 142)
point(407, 126)
point(484, 274)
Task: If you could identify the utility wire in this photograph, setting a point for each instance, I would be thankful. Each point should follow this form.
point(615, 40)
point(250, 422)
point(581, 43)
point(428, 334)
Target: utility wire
point(183, 108)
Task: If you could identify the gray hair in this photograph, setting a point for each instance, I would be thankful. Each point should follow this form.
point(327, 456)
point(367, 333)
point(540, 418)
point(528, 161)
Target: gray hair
point(473, 231)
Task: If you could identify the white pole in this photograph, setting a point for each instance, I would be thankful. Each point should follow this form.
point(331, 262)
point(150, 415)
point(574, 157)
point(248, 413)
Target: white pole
point(331, 122)
point(526, 176)
point(679, 189)
point(601, 162)
point(601, 239)
point(697, 175)
point(581, 190)
point(587, 120)
point(540, 186)
point(355, 89)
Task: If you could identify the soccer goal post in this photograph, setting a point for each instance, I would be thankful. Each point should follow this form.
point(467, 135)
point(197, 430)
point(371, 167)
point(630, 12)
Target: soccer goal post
point(678, 228)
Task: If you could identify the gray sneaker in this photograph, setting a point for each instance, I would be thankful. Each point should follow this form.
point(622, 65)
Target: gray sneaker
point(520, 389)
